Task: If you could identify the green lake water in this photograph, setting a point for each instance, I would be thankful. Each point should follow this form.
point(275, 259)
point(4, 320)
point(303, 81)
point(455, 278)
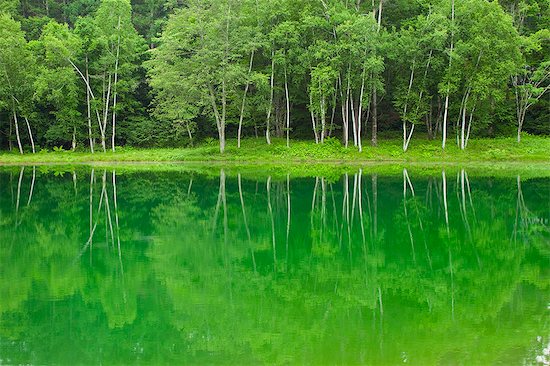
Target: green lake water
point(108, 267)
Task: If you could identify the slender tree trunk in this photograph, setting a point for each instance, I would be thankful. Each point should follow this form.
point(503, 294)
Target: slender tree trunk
point(222, 121)
point(219, 125)
point(323, 117)
point(314, 124)
point(353, 120)
point(10, 132)
point(374, 138)
point(270, 108)
point(247, 86)
point(445, 114)
point(88, 108)
point(405, 139)
point(469, 127)
point(333, 114)
point(115, 87)
point(91, 94)
point(106, 114)
point(73, 142)
point(360, 112)
point(17, 130)
point(287, 110)
point(30, 134)
point(463, 126)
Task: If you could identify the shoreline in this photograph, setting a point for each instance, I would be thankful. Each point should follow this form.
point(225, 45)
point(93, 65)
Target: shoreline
point(481, 152)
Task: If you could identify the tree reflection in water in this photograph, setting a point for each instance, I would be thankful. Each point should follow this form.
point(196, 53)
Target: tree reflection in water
point(169, 267)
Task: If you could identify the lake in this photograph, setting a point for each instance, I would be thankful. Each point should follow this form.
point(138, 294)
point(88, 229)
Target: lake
point(113, 266)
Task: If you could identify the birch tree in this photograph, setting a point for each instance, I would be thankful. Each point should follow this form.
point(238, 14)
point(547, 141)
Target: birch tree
point(16, 77)
point(202, 50)
point(487, 55)
point(533, 79)
point(121, 47)
point(419, 47)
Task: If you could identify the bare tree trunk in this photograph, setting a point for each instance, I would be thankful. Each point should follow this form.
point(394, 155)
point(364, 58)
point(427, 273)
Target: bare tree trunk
point(10, 143)
point(270, 108)
point(91, 94)
point(287, 110)
point(247, 86)
point(405, 139)
point(73, 143)
point(313, 119)
point(17, 130)
point(323, 122)
point(463, 128)
point(444, 137)
point(115, 87)
point(360, 112)
point(30, 134)
point(106, 114)
point(353, 120)
point(220, 119)
point(374, 138)
point(89, 110)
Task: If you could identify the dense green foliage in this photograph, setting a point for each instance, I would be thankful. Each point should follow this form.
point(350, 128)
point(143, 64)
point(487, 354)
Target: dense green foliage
point(96, 74)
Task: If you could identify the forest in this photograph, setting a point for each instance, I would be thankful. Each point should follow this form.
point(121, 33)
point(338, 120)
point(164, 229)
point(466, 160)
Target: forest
point(93, 75)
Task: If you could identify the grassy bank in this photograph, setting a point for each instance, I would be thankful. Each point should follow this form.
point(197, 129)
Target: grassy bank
point(480, 151)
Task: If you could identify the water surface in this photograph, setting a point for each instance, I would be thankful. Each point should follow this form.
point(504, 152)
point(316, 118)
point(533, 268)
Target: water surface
point(103, 267)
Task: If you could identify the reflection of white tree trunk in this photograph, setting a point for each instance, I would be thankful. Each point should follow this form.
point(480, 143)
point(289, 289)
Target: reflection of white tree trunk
point(452, 284)
point(117, 223)
point(21, 173)
point(92, 228)
point(346, 213)
point(462, 203)
point(89, 242)
point(445, 206)
point(32, 185)
point(335, 220)
point(288, 215)
point(108, 210)
point(375, 205)
point(249, 237)
point(189, 188)
point(360, 194)
point(406, 181)
point(270, 208)
point(313, 200)
point(323, 206)
point(224, 201)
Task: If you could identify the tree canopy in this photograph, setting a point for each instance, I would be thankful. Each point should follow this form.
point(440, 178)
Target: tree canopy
point(165, 73)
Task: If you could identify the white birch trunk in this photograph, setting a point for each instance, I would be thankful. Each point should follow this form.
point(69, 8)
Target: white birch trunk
point(247, 86)
point(30, 134)
point(115, 88)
